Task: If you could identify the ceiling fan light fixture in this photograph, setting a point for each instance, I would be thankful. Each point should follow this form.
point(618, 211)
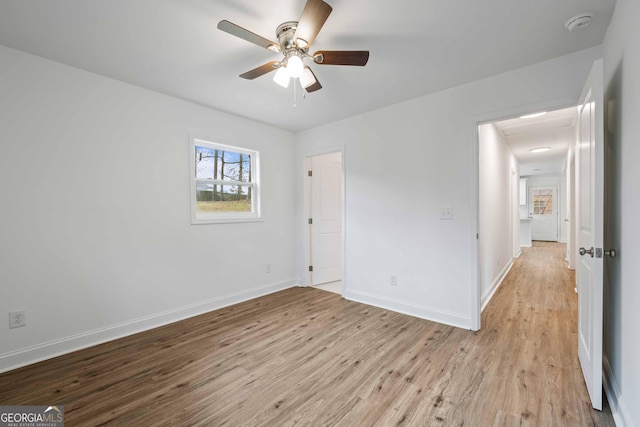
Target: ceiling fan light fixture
point(307, 78)
point(294, 38)
point(295, 67)
point(282, 77)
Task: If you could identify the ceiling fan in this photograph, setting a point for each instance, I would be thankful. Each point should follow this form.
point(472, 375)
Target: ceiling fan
point(294, 41)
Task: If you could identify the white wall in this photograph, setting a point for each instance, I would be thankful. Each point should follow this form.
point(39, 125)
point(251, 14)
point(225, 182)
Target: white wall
point(392, 210)
point(496, 209)
point(95, 231)
point(622, 210)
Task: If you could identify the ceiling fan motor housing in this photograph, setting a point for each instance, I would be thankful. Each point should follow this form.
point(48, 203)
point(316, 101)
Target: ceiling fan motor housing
point(285, 33)
point(288, 46)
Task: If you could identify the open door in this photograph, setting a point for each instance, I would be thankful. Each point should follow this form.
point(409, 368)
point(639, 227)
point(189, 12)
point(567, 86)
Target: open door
point(589, 157)
point(325, 220)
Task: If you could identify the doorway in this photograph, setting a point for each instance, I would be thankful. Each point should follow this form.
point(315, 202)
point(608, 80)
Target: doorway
point(544, 213)
point(325, 197)
point(535, 147)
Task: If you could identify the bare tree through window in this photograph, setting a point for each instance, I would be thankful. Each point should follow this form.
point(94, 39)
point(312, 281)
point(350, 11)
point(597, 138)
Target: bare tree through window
point(223, 180)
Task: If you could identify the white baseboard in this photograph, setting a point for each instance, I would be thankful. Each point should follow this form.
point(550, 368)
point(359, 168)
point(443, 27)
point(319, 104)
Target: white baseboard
point(29, 355)
point(423, 312)
point(488, 294)
point(614, 396)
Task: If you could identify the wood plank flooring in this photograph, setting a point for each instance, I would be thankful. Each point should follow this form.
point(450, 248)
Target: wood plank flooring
point(307, 357)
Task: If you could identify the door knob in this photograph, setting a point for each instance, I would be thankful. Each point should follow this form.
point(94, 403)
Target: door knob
point(611, 253)
point(584, 251)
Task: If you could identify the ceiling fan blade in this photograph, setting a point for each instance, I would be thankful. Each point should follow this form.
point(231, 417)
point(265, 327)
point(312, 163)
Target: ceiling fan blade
point(261, 70)
point(314, 87)
point(341, 57)
point(235, 30)
point(313, 17)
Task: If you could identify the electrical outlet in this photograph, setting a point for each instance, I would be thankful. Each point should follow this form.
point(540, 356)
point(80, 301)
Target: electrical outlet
point(268, 269)
point(17, 319)
point(446, 213)
point(393, 280)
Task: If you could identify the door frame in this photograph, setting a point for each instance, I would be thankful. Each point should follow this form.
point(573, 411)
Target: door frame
point(306, 208)
point(474, 176)
point(572, 247)
point(515, 214)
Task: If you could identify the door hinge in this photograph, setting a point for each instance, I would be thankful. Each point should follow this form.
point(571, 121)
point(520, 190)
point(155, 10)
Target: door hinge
point(309, 173)
point(311, 268)
point(310, 220)
point(477, 236)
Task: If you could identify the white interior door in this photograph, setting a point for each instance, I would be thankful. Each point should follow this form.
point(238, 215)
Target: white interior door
point(590, 217)
point(326, 218)
point(543, 211)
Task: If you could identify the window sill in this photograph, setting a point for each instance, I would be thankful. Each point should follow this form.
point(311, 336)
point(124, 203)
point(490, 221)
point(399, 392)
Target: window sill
point(225, 220)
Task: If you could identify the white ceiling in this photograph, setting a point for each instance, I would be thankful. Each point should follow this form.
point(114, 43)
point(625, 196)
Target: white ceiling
point(417, 47)
point(556, 130)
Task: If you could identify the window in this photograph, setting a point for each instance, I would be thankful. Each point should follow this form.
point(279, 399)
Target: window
point(542, 202)
point(224, 183)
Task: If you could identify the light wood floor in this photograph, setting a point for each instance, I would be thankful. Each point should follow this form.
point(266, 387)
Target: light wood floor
point(305, 356)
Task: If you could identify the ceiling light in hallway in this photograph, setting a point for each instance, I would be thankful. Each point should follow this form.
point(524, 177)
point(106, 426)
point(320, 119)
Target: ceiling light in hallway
point(540, 149)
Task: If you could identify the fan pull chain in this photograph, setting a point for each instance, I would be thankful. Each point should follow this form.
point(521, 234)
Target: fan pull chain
point(294, 92)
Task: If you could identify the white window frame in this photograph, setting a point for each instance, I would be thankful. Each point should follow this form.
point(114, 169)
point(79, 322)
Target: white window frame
point(224, 217)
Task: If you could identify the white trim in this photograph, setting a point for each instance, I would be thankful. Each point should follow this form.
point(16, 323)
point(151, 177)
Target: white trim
point(489, 293)
point(37, 353)
point(415, 310)
point(474, 244)
point(225, 220)
point(618, 406)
